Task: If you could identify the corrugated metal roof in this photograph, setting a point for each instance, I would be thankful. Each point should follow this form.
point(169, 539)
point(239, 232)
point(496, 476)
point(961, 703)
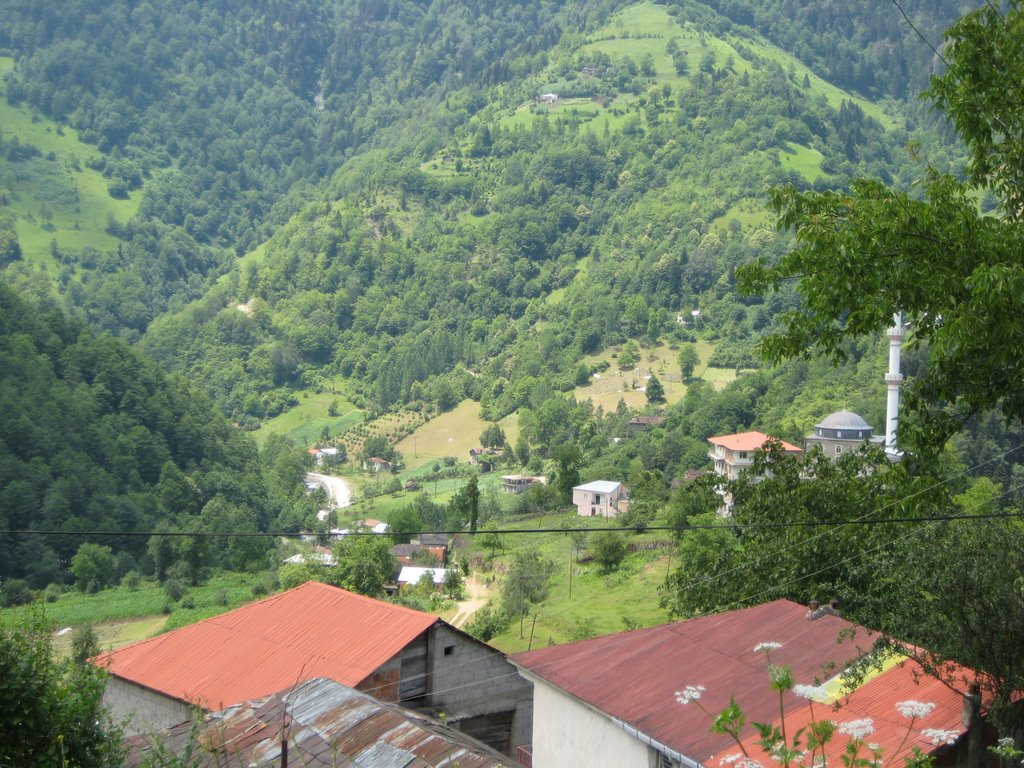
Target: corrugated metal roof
point(748, 441)
point(598, 486)
point(314, 630)
point(633, 676)
point(328, 725)
point(411, 574)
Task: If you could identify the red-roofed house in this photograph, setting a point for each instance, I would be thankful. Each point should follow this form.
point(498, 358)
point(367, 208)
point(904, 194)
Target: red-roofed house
point(732, 454)
point(394, 653)
point(612, 700)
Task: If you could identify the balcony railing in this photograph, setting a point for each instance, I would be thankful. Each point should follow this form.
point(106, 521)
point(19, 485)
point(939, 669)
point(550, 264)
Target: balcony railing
point(524, 755)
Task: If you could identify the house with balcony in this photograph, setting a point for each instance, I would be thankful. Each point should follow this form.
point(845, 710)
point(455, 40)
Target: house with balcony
point(733, 454)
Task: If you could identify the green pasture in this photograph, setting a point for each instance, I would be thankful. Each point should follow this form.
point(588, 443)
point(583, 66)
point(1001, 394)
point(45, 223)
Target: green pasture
point(73, 608)
point(305, 422)
point(804, 160)
point(615, 384)
point(603, 599)
point(54, 196)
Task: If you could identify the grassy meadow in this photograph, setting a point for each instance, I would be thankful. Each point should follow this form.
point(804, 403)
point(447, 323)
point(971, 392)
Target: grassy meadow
point(604, 603)
point(305, 422)
point(55, 196)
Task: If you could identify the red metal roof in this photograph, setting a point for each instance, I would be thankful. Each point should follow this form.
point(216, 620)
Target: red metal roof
point(313, 630)
point(748, 441)
point(633, 676)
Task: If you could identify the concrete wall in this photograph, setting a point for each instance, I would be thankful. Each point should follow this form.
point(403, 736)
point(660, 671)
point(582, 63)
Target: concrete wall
point(567, 732)
point(472, 680)
point(143, 710)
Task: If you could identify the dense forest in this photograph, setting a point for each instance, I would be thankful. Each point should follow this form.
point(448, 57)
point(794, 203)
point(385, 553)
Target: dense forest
point(96, 441)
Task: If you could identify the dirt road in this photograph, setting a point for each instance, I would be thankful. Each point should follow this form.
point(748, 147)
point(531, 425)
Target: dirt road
point(338, 490)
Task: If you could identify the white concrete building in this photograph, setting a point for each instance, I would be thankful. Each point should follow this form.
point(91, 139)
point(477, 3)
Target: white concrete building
point(601, 498)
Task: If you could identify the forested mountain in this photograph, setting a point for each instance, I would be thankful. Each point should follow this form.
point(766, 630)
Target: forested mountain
point(95, 438)
point(419, 203)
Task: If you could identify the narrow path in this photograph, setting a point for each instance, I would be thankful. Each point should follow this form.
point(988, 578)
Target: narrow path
point(477, 596)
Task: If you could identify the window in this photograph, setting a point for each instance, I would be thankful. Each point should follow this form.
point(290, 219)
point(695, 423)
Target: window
point(597, 498)
point(743, 454)
point(449, 650)
point(839, 449)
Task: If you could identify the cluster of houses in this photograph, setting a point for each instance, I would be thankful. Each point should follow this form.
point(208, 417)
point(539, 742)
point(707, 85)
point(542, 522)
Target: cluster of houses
point(324, 677)
point(431, 548)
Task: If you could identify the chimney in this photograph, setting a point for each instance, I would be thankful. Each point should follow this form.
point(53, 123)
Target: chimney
point(815, 610)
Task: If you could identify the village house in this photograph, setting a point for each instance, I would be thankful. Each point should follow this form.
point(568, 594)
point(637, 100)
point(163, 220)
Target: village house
point(520, 483)
point(377, 465)
point(733, 454)
point(328, 725)
point(613, 700)
point(644, 423)
point(397, 654)
point(601, 498)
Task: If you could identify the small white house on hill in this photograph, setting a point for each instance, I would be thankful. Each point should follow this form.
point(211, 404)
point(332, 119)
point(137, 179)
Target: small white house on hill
point(601, 498)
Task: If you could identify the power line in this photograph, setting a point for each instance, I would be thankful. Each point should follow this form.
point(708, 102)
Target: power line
point(528, 531)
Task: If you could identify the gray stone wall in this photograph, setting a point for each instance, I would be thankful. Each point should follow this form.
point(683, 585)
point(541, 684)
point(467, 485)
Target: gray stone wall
point(470, 681)
point(142, 710)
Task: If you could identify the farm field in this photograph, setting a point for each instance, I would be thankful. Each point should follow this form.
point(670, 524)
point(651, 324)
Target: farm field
point(121, 615)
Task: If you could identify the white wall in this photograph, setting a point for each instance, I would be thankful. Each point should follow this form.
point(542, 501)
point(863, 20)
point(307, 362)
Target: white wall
point(567, 732)
point(143, 710)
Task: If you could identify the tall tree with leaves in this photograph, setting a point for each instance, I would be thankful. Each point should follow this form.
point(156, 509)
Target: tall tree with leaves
point(956, 274)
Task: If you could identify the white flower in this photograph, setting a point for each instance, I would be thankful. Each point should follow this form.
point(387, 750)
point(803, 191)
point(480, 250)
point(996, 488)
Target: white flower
point(938, 736)
point(765, 647)
point(915, 709)
point(858, 729)
point(816, 692)
point(690, 693)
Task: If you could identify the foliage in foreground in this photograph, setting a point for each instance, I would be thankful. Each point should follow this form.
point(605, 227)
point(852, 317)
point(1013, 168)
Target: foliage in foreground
point(51, 712)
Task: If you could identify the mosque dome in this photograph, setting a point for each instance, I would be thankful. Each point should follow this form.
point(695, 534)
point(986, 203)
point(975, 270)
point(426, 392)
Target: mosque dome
point(843, 425)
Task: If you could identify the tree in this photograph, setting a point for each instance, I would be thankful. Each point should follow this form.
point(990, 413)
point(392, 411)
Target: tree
point(567, 476)
point(608, 549)
point(453, 584)
point(655, 391)
point(402, 523)
point(526, 582)
point(473, 500)
point(968, 574)
point(364, 564)
point(53, 710)
point(94, 567)
point(689, 359)
point(490, 537)
point(492, 437)
point(955, 273)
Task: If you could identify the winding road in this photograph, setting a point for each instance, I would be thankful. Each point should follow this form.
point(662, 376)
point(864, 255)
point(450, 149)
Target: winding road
point(338, 491)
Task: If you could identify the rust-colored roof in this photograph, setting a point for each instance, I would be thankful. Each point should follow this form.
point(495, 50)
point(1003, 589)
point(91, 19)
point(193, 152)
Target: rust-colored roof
point(749, 441)
point(634, 676)
point(313, 630)
point(328, 725)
